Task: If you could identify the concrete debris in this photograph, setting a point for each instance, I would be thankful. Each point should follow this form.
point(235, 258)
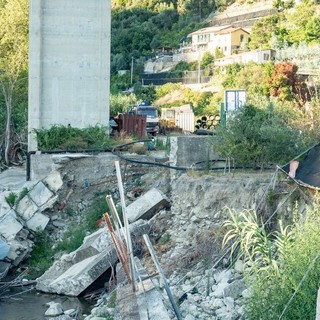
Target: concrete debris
point(9, 225)
point(75, 272)
point(4, 268)
point(146, 206)
point(25, 215)
point(55, 309)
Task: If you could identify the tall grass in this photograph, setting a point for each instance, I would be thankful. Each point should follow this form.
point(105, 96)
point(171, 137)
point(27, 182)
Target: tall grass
point(283, 278)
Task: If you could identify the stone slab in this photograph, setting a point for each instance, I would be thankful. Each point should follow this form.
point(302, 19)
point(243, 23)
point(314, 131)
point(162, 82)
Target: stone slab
point(40, 194)
point(9, 226)
point(147, 205)
point(38, 221)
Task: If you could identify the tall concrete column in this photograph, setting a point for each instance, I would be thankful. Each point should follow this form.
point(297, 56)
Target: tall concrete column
point(69, 64)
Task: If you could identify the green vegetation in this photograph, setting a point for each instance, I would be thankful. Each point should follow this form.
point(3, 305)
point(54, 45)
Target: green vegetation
point(42, 255)
point(284, 265)
point(11, 199)
point(60, 137)
point(258, 137)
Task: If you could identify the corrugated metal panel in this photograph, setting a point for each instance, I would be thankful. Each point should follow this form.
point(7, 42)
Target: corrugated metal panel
point(185, 121)
point(133, 124)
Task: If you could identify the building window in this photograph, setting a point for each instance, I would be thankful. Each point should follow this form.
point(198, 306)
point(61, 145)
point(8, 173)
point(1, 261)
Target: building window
point(266, 57)
point(241, 37)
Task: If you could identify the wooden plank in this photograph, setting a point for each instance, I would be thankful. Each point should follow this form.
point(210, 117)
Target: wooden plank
point(126, 224)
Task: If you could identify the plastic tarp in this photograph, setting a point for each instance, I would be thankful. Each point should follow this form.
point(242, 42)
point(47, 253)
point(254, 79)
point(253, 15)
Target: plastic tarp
point(308, 171)
point(4, 249)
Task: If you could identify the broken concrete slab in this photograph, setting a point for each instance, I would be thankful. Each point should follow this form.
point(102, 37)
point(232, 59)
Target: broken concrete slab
point(19, 251)
point(147, 205)
point(73, 273)
point(38, 221)
point(54, 181)
point(9, 225)
point(26, 208)
point(40, 194)
point(49, 203)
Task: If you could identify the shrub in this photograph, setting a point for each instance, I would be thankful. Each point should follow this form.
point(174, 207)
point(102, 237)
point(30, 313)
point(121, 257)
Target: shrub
point(298, 277)
point(60, 137)
point(11, 199)
point(258, 137)
point(41, 256)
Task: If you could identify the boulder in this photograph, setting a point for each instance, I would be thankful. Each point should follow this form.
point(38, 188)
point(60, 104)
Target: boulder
point(55, 309)
point(147, 205)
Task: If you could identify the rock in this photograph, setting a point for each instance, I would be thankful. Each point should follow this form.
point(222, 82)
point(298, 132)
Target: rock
point(55, 309)
point(223, 276)
point(146, 206)
point(246, 293)
point(218, 290)
point(239, 266)
point(229, 302)
point(59, 223)
point(226, 314)
point(234, 289)
point(54, 181)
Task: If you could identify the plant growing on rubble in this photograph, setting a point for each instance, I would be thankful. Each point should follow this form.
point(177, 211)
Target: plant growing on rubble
point(11, 199)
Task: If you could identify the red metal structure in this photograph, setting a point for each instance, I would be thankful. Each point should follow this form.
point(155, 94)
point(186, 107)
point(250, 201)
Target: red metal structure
point(133, 124)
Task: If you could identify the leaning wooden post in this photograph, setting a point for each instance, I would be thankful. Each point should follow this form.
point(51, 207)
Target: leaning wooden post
point(126, 224)
point(166, 286)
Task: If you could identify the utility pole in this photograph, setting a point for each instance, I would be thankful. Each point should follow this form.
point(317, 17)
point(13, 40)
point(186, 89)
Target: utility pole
point(199, 78)
point(131, 70)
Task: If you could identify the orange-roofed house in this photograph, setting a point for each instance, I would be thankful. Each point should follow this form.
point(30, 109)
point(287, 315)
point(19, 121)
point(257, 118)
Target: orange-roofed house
point(228, 39)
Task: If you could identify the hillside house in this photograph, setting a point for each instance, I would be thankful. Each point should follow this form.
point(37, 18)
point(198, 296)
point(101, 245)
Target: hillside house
point(228, 39)
point(258, 56)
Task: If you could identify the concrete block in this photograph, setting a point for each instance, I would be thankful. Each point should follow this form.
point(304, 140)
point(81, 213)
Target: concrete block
point(40, 194)
point(73, 273)
point(9, 226)
point(54, 181)
point(147, 205)
point(26, 208)
point(49, 203)
point(38, 221)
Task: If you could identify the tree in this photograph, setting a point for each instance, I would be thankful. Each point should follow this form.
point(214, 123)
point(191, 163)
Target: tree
point(262, 32)
point(285, 84)
point(313, 30)
point(14, 22)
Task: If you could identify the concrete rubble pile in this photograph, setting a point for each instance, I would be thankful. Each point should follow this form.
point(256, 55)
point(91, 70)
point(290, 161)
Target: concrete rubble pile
point(28, 213)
